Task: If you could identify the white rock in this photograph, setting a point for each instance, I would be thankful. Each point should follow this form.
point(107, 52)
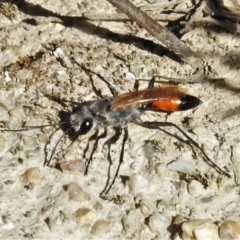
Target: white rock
point(182, 165)
point(137, 183)
point(58, 52)
point(159, 223)
point(207, 231)
point(199, 229)
point(195, 187)
point(76, 193)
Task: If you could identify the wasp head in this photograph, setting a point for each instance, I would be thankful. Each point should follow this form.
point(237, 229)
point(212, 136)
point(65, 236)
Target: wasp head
point(81, 120)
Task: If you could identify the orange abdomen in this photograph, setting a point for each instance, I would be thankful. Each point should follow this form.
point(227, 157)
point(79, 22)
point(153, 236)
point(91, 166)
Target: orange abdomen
point(173, 104)
point(169, 105)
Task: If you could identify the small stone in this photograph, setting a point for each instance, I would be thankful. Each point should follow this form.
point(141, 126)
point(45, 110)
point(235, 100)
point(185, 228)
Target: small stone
point(84, 216)
point(129, 76)
point(178, 220)
point(182, 165)
point(75, 193)
point(16, 112)
point(43, 191)
point(6, 76)
point(98, 206)
point(159, 223)
point(29, 141)
point(58, 52)
point(166, 173)
point(207, 231)
point(43, 138)
point(133, 221)
point(100, 226)
point(195, 187)
point(229, 230)
point(162, 205)
point(31, 176)
point(137, 183)
point(2, 143)
point(148, 149)
point(74, 166)
point(135, 69)
point(147, 207)
point(199, 229)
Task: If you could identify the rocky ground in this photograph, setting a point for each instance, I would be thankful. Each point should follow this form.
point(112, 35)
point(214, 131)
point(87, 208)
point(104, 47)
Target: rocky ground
point(164, 190)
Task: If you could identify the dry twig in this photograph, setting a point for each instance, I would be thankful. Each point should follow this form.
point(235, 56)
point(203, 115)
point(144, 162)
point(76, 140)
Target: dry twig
point(158, 31)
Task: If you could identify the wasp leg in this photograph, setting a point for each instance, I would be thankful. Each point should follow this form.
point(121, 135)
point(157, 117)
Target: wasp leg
point(103, 135)
point(93, 137)
point(60, 100)
point(151, 83)
point(110, 86)
point(158, 125)
point(108, 187)
point(109, 142)
point(47, 161)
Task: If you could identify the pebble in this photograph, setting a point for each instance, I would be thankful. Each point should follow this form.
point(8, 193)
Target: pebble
point(148, 149)
point(32, 175)
point(16, 112)
point(159, 223)
point(29, 141)
point(100, 226)
point(74, 166)
point(43, 138)
point(229, 230)
point(182, 165)
point(195, 187)
point(2, 143)
point(137, 183)
point(75, 193)
point(178, 220)
point(199, 229)
point(162, 205)
point(147, 207)
point(43, 191)
point(84, 216)
point(129, 76)
point(133, 221)
point(98, 206)
point(165, 173)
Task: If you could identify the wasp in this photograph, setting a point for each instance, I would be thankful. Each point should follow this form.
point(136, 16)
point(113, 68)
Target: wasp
point(119, 110)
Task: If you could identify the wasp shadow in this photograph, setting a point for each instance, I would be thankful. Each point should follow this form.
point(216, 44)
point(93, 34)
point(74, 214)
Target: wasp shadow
point(83, 24)
point(65, 125)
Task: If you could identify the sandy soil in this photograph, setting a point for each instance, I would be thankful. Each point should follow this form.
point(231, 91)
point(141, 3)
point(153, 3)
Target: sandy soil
point(41, 41)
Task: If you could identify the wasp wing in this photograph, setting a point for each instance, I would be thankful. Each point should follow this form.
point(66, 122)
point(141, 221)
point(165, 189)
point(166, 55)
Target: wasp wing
point(168, 99)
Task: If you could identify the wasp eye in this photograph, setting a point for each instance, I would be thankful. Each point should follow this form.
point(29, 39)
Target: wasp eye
point(86, 126)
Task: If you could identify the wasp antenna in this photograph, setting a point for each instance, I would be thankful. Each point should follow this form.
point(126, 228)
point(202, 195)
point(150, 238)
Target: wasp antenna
point(27, 128)
point(110, 87)
point(47, 161)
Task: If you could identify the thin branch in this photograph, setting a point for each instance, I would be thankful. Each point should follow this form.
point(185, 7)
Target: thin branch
point(161, 33)
point(96, 16)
